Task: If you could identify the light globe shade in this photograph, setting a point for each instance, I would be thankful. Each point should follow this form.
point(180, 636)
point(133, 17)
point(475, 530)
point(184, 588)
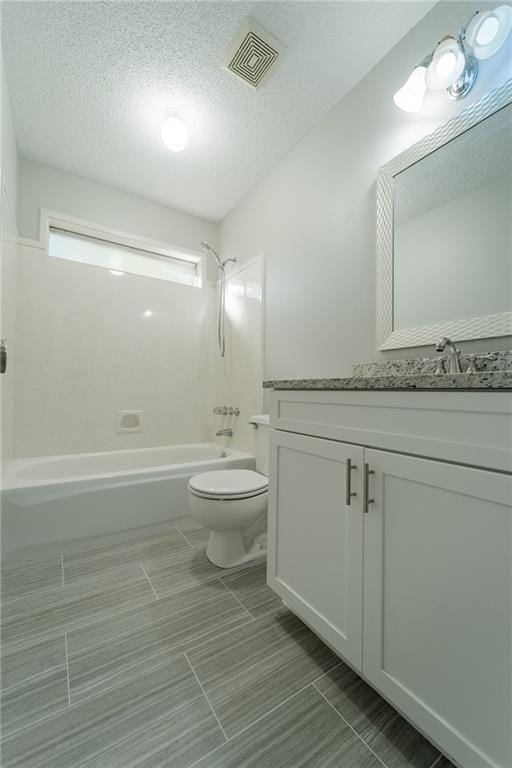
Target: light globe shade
point(488, 31)
point(174, 133)
point(447, 65)
point(410, 96)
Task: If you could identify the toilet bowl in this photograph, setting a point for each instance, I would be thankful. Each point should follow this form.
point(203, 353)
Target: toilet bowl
point(232, 505)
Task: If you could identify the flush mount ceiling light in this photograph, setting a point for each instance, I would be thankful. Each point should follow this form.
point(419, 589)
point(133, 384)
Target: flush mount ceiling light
point(453, 65)
point(174, 132)
point(487, 32)
point(410, 96)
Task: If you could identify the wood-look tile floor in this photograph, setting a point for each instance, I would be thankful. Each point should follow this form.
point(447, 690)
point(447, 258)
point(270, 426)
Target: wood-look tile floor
point(133, 651)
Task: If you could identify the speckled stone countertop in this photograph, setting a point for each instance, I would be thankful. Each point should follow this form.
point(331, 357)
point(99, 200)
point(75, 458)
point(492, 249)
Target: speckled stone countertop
point(493, 372)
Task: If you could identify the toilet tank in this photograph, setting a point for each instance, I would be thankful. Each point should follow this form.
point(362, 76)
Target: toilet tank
point(261, 425)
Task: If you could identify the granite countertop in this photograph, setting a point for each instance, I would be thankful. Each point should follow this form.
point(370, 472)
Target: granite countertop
point(493, 372)
point(485, 380)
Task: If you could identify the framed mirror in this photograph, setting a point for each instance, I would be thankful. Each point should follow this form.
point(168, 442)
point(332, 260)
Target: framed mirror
point(444, 231)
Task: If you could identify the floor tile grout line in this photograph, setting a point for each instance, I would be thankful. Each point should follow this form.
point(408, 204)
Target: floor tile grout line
point(52, 634)
point(60, 601)
point(437, 760)
point(62, 568)
point(67, 667)
point(206, 697)
point(172, 654)
point(91, 591)
point(328, 672)
point(149, 580)
point(236, 597)
point(41, 638)
point(348, 724)
point(184, 537)
point(254, 722)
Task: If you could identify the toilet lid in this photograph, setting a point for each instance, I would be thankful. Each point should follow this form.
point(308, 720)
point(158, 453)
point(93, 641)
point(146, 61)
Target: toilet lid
point(229, 482)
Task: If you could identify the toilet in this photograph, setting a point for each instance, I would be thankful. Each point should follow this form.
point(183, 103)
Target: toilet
point(232, 505)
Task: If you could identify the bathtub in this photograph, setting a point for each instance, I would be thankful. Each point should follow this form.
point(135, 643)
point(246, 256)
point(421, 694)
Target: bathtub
point(60, 498)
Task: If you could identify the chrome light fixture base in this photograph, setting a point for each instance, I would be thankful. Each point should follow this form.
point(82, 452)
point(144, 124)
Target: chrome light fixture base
point(461, 87)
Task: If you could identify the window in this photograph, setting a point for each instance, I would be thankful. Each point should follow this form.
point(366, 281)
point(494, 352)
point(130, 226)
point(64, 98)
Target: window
point(162, 264)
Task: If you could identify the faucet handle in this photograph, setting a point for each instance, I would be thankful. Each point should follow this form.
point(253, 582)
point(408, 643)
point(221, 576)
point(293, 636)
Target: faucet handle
point(440, 366)
point(471, 364)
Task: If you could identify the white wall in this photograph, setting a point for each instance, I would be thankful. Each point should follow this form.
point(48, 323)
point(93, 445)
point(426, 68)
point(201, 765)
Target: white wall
point(314, 214)
point(44, 187)
point(238, 375)
point(86, 350)
point(9, 261)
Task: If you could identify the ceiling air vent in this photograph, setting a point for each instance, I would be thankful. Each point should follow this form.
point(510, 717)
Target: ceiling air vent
point(253, 54)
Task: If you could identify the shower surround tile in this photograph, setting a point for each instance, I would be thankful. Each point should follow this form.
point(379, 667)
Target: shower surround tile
point(396, 743)
point(159, 713)
point(249, 670)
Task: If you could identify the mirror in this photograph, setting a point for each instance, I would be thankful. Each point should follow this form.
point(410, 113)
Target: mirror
point(445, 231)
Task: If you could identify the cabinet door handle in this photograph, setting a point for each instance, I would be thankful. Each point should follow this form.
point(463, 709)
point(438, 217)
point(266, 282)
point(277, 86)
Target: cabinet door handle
point(348, 485)
point(366, 489)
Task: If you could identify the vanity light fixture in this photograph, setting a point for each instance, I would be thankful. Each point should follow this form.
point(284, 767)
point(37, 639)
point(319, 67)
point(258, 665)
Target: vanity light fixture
point(411, 94)
point(174, 132)
point(453, 65)
point(447, 65)
point(486, 32)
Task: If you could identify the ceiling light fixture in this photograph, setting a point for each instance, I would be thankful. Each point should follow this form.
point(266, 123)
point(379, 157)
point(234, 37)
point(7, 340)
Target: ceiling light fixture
point(174, 132)
point(453, 65)
point(486, 32)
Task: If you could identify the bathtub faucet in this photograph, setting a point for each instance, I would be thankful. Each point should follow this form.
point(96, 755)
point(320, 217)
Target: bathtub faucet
point(224, 433)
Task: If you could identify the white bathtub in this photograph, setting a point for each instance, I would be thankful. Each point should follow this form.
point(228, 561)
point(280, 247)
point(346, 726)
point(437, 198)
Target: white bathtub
point(59, 498)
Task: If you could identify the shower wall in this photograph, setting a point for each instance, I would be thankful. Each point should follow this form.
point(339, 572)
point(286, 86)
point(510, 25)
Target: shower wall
point(238, 376)
point(90, 344)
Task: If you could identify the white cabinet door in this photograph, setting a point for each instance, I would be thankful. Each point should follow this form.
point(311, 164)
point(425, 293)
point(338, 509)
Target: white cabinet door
point(315, 558)
point(438, 602)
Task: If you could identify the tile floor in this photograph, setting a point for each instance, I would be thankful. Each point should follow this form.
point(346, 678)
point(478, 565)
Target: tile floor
point(133, 651)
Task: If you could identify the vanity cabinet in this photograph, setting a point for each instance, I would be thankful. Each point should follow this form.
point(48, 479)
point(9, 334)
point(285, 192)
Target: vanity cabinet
point(411, 583)
point(317, 551)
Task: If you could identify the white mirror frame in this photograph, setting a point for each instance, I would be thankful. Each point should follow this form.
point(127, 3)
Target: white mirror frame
point(483, 326)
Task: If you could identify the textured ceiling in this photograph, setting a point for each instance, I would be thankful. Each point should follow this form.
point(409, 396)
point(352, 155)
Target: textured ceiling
point(89, 81)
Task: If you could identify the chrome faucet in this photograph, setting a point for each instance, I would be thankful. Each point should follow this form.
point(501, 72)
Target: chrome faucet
point(224, 433)
point(453, 356)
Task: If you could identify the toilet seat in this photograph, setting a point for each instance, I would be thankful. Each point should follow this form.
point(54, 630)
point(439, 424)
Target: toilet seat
point(228, 484)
